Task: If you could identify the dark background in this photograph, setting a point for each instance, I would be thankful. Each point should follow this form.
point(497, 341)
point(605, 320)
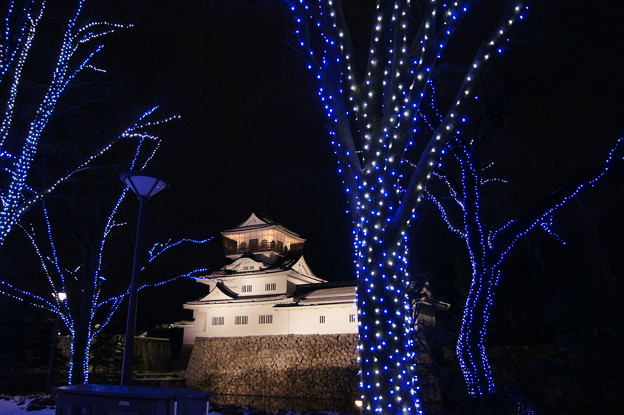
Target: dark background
point(252, 138)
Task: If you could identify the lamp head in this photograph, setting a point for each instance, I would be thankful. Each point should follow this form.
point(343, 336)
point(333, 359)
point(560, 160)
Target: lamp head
point(144, 185)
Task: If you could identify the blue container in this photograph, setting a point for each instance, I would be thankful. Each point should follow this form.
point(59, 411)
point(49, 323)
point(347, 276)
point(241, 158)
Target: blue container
point(129, 400)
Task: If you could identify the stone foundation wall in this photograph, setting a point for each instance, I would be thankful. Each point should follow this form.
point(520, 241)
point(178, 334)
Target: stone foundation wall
point(306, 366)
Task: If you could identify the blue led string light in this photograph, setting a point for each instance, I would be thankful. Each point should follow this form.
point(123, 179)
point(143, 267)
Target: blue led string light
point(78, 47)
point(160, 248)
point(140, 130)
point(383, 178)
point(14, 54)
point(56, 274)
point(21, 49)
point(107, 307)
point(488, 247)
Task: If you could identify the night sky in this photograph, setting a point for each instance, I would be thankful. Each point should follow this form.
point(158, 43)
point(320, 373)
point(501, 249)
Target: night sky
point(252, 138)
point(253, 127)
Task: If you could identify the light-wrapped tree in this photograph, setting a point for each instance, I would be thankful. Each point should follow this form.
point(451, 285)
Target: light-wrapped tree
point(384, 160)
point(20, 141)
point(93, 295)
point(460, 184)
point(27, 107)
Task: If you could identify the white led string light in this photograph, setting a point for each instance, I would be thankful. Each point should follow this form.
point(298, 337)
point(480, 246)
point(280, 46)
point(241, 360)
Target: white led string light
point(104, 308)
point(15, 51)
point(382, 188)
point(76, 52)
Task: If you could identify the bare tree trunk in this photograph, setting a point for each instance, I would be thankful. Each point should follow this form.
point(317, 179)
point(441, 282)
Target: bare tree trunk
point(79, 369)
point(471, 347)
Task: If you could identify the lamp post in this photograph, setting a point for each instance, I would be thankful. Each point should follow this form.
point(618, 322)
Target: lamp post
point(60, 297)
point(145, 186)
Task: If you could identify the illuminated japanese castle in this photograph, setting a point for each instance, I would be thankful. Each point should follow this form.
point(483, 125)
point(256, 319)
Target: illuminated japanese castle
point(268, 289)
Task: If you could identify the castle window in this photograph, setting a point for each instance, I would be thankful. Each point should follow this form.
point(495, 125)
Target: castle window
point(241, 320)
point(264, 244)
point(218, 321)
point(322, 319)
point(265, 319)
point(243, 245)
point(246, 288)
point(270, 286)
point(352, 318)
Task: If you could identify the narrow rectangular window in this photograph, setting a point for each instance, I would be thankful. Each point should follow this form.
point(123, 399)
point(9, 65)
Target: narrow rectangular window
point(265, 319)
point(352, 318)
point(218, 321)
point(270, 286)
point(246, 288)
point(241, 320)
point(322, 319)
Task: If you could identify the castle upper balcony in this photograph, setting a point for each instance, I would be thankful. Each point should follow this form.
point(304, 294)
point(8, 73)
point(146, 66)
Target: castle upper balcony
point(259, 234)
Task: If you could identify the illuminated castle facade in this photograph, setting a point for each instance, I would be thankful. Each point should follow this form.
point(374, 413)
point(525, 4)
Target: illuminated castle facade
point(268, 289)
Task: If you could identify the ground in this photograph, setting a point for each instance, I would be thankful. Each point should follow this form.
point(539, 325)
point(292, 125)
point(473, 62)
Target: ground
point(39, 404)
point(42, 404)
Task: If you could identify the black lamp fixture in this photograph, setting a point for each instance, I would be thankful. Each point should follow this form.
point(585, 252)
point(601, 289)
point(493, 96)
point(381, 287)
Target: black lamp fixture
point(144, 185)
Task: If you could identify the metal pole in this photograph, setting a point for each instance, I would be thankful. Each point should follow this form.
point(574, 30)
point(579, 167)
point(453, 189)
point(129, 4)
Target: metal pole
point(126, 368)
point(52, 351)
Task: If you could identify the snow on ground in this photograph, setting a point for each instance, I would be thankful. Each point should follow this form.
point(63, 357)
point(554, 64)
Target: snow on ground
point(40, 404)
point(16, 405)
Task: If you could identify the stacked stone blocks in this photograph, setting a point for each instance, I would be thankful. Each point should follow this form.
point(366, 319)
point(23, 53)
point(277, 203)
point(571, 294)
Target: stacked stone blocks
point(306, 366)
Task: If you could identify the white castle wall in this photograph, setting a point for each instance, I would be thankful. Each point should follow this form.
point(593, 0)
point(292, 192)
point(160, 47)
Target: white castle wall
point(326, 319)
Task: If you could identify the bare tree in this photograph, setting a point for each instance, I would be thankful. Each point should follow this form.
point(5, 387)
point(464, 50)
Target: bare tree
point(19, 140)
point(458, 189)
point(32, 82)
point(84, 273)
point(384, 160)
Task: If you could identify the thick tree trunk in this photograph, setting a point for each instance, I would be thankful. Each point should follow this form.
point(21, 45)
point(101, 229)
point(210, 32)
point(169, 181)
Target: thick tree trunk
point(386, 345)
point(79, 367)
point(78, 373)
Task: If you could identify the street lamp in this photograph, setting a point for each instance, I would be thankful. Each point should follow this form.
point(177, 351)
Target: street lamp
point(145, 186)
point(60, 297)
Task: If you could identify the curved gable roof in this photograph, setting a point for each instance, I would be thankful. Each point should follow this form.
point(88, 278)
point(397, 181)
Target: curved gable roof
point(254, 220)
point(257, 222)
point(220, 292)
